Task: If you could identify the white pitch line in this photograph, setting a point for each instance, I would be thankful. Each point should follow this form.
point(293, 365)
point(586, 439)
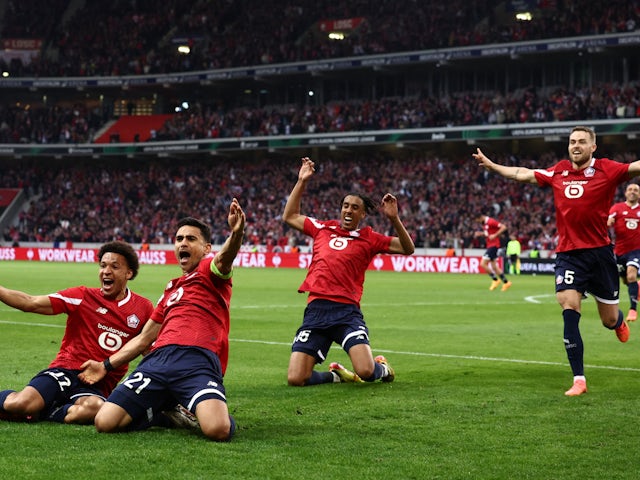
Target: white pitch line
point(300, 306)
point(30, 324)
point(394, 352)
point(534, 298)
point(458, 357)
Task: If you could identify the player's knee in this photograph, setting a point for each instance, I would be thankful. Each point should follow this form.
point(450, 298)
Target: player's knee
point(107, 421)
point(296, 380)
point(84, 412)
point(218, 432)
point(366, 372)
point(297, 377)
point(103, 424)
point(23, 404)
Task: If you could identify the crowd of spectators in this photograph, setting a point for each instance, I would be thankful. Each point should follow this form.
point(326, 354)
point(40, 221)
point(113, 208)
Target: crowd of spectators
point(439, 198)
point(61, 123)
point(132, 37)
point(530, 105)
point(79, 123)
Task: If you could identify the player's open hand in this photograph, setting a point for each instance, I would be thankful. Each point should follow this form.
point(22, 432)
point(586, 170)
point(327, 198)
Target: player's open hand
point(389, 205)
point(307, 169)
point(482, 159)
point(92, 372)
point(237, 217)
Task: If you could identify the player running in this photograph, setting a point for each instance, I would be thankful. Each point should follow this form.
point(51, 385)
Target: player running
point(583, 190)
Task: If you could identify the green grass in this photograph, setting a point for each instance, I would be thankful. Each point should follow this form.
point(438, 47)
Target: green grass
point(478, 394)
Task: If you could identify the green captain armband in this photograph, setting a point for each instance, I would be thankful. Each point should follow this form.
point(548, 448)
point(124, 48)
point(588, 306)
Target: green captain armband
point(218, 273)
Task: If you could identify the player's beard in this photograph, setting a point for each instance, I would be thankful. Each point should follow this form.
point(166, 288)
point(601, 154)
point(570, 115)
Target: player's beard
point(580, 160)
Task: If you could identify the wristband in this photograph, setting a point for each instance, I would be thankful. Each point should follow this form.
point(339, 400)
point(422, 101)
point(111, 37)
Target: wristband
point(107, 364)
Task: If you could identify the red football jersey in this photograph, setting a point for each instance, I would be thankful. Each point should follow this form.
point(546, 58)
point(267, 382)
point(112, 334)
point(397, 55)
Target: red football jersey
point(582, 200)
point(194, 311)
point(491, 226)
point(340, 259)
point(625, 227)
point(97, 327)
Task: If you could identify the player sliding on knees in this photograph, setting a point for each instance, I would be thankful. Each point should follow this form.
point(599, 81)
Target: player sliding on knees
point(342, 251)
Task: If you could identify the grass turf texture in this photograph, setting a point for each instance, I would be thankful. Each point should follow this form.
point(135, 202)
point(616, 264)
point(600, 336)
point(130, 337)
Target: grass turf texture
point(478, 394)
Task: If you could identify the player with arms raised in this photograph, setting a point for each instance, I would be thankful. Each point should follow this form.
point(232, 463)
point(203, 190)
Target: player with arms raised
point(342, 252)
point(189, 330)
point(583, 191)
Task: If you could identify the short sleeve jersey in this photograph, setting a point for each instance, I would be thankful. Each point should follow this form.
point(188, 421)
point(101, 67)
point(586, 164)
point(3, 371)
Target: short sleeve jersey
point(97, 327)
point(194, 311)
point(490, 227)
point(626, 227)
point(582, 199)
point(340, 259)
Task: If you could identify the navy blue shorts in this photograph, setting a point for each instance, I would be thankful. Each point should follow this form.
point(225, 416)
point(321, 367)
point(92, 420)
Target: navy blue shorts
point(59, 386)
point(170, 375)
point(592, 270)
point(491, 253)
point(326, 322)
point(628, 259)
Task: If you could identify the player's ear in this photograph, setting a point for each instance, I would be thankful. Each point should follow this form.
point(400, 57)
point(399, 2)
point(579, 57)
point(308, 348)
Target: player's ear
point(129, 274)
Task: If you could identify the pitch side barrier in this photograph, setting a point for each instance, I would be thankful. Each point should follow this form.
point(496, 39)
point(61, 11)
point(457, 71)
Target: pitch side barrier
point(252, 259)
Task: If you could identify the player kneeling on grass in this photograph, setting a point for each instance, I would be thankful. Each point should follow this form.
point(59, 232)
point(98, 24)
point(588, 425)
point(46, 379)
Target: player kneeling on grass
point(99, 322)
point(189, 338)
point(342, 253)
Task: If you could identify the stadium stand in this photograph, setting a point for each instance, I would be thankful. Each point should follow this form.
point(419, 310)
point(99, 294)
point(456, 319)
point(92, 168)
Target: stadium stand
point(86, 65)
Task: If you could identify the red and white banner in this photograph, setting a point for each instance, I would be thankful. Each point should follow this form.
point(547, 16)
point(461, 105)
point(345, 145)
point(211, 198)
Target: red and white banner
point(340, 25)
point(397, 263)
point(22, 44)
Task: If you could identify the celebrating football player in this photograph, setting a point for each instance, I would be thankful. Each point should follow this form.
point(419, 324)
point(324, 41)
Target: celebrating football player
point(342, 251)
point(189, 338)
point(583, 190)
point(99, 322)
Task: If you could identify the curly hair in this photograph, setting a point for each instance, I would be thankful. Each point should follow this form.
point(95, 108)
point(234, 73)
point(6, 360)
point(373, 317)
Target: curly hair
point(124, 249)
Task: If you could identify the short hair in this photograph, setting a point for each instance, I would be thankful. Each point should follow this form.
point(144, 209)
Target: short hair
point(124, 249)
point(205, 230)
point(369, 205)
point(589, 130)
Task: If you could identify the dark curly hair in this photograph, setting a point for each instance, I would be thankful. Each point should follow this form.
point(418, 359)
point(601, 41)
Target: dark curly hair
point(126, 251)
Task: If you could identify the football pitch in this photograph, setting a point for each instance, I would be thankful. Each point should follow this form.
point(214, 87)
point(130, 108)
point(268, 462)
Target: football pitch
point(478, 394)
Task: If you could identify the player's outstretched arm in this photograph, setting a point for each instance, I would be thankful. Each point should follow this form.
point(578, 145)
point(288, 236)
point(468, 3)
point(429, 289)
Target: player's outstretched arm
point(27, 303)
point(634, 169)
point(519, 174)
